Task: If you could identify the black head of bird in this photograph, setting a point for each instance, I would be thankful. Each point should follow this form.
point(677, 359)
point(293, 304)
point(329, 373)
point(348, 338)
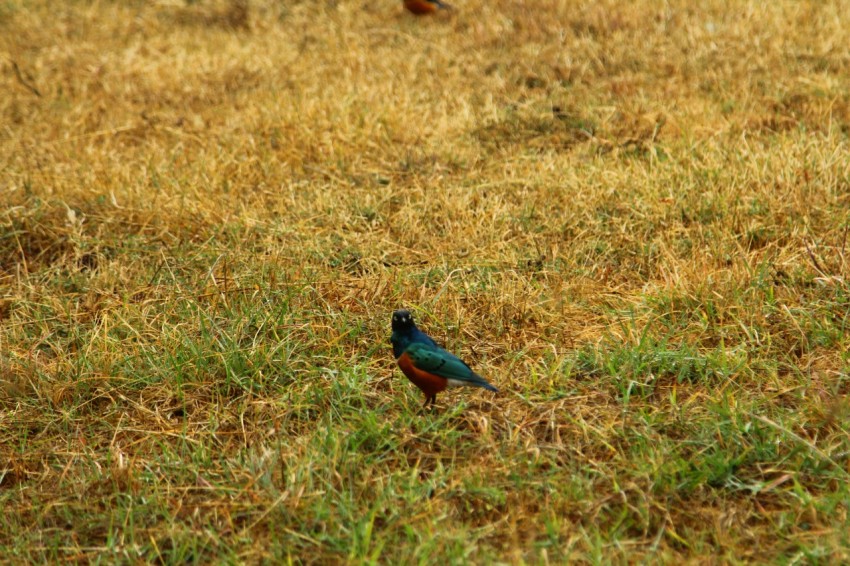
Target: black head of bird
point(402, 321)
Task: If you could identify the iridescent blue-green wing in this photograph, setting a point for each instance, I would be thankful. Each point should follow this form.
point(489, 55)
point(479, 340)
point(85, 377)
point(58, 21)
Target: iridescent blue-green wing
point(437, 361)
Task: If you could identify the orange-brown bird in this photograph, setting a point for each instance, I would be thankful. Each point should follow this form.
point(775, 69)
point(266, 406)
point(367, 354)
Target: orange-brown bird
point(428, 366)
point(422, 7)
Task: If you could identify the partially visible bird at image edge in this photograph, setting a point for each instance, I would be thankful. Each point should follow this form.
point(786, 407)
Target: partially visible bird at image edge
point(428, 366)
point(421, 7)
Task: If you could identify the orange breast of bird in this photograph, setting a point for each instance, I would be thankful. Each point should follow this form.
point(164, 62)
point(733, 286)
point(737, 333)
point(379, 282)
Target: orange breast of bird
point(429, 383)
point(421, 7)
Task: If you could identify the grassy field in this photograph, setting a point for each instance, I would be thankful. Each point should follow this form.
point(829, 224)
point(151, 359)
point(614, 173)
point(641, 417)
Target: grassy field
point(631, 217)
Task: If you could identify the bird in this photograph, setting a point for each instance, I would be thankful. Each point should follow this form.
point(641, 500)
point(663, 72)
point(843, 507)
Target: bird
point(427, 365)
point(422, 7)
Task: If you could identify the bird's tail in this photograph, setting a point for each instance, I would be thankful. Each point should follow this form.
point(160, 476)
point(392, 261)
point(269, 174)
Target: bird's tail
point(481, 382)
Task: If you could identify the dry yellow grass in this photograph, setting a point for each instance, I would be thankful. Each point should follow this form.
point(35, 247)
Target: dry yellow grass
point(632, 217)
